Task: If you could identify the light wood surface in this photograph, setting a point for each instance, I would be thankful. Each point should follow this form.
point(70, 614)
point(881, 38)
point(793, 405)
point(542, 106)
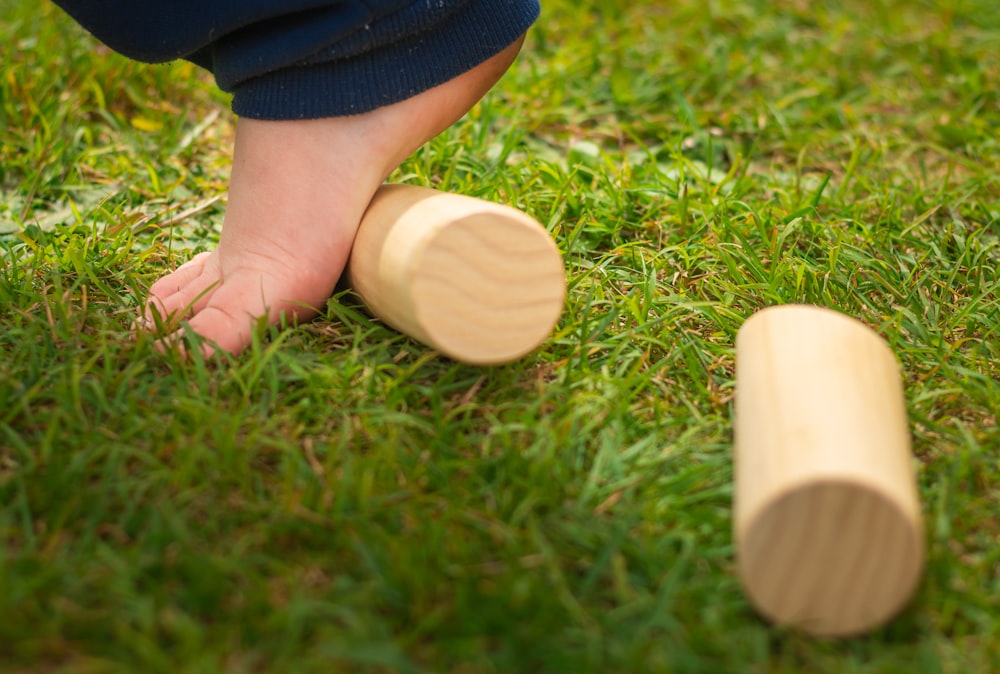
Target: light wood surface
point(827, 522)
point(481, 282)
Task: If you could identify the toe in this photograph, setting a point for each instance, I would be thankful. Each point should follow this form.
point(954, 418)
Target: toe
point(180, 277)
point(222, 330)
point(182, 293)
point(238, 308)
point(226, 318)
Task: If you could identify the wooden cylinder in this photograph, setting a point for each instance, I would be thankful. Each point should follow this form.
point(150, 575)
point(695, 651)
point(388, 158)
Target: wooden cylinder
point(480, 282)
point(827, 523)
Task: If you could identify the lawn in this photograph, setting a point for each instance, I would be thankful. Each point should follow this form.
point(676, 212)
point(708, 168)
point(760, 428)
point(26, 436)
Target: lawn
point(341, 499)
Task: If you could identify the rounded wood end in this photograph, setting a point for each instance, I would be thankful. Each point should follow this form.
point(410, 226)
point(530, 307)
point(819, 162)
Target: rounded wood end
point(832, 558)
point(488, 288)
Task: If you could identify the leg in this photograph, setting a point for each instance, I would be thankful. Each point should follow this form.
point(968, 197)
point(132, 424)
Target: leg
point(297, 193)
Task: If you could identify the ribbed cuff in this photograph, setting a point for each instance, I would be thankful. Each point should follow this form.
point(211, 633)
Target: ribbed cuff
point(391, 73)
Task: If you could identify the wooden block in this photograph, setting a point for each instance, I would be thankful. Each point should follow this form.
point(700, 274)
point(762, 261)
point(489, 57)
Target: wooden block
point(827, 522)
point(480, 282)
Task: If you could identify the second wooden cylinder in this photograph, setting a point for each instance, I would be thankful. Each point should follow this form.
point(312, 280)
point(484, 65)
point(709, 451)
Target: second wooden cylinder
point(827, 522)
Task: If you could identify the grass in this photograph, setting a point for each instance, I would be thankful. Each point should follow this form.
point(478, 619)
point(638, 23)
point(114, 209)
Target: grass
point(340, 499)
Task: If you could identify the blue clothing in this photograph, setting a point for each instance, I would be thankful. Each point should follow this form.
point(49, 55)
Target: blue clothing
point(302, 59)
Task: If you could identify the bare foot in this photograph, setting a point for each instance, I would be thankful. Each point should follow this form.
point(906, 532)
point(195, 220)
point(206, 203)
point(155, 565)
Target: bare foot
point(296, 196)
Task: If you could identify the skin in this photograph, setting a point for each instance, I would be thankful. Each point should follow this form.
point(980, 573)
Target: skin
point(294, 207)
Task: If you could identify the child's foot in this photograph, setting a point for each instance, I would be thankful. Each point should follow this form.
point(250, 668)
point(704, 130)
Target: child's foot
point(297, 193)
